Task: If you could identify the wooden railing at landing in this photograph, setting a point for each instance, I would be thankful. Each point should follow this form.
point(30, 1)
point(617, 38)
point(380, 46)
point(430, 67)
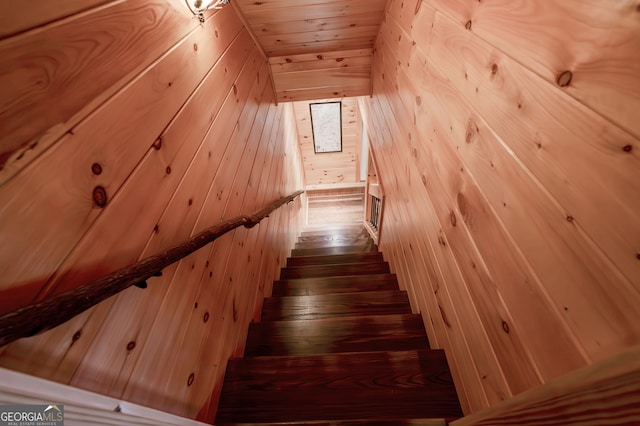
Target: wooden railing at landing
point(39, 317)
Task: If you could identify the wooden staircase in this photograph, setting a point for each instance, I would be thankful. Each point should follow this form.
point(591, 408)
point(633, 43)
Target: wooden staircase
point(338, 345)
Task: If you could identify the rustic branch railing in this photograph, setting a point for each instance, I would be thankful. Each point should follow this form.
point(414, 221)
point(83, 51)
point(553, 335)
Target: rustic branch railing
point(34, 319)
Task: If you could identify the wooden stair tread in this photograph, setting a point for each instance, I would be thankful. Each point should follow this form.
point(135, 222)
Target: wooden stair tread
point(345, 229)
point(359, 241)
point(331, 285)
point(335, 259)
point(341, 269)
point(367, 248)
point(333, 236)
point(334, 305)
point(395, 384)
point(332, 335)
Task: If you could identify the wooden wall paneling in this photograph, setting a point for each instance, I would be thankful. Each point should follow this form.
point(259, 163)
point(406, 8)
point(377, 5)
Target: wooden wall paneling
point(187, 132)
point(192, 271)
point(324, 23)
point(492, 277)
point(520, 100)
point(350, 59)
point(602, 393)
point(212, 381)
point(491, 309)
point(62, 211)
point(361, 89)
point(308, 61)
point(300, 12)
point(64, 352)
point(438, 315)
point(14, 19)
point(487, 234)
point(225, 262)
point(328, 168)
point(252, 6)
point(350, 77)
point(579, 286)
point(473, 337)
point(170, 229)
point(597, 41)
point(54, 77)
point(284, 44)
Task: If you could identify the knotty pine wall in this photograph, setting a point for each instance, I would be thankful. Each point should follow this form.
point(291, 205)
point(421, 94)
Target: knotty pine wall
point(506, 135)
point(331, 168)
point(128, 126)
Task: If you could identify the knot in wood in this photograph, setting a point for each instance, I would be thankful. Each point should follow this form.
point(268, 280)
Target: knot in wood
point(96, 169)
point(100, 196)
point(564, 78)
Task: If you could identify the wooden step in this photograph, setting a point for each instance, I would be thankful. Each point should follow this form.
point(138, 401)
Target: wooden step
point(358, 241)
point(380, 385)
point(310, 271)
point(335, 259)
point(331, 285)
point(361, 422)
point(335, 305)
point(346, 229)
point(367, 248)
point(333, 236)
point(332, 335)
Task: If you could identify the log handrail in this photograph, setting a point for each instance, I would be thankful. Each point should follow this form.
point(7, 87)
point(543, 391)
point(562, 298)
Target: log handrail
point(42, 316)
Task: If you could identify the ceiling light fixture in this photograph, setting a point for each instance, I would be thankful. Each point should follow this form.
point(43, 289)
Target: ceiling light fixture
point(197, 7)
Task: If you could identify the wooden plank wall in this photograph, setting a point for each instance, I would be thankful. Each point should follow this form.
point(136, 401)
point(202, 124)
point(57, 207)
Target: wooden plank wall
point(330, 168)
point(507, 140)
point(342, 73)
point(170, 129)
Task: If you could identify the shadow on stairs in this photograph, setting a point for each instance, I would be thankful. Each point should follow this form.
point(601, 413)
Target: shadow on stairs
point(338, 345)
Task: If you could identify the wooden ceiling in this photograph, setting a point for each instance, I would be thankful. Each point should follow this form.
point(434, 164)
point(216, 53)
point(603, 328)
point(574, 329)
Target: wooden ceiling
point(317, 48)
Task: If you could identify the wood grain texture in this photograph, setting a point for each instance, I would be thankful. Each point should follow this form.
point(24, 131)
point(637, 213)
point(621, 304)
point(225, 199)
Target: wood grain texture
point(487, 161)
point(311, 271)
point(597, 41)
point(329, 167)
point(338, 386)
point(53, 79)
point(192, 139)
point(335, 305)
point(358, 334)
point(330, 285)
point(15, 19)
point(306, 35)
point(603, 393)
point(123, 137)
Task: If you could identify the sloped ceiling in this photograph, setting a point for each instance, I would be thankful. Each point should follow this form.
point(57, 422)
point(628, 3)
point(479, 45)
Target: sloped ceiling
point(317, 48)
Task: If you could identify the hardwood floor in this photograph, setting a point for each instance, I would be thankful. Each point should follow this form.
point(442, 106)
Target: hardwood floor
point(338, 345)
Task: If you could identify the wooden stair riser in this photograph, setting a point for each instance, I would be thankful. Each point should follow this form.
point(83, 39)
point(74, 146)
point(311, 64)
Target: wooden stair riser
point(335, 259)
point(334, 285)
point(360, 241)
point(367, 248)
point(312, 271)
